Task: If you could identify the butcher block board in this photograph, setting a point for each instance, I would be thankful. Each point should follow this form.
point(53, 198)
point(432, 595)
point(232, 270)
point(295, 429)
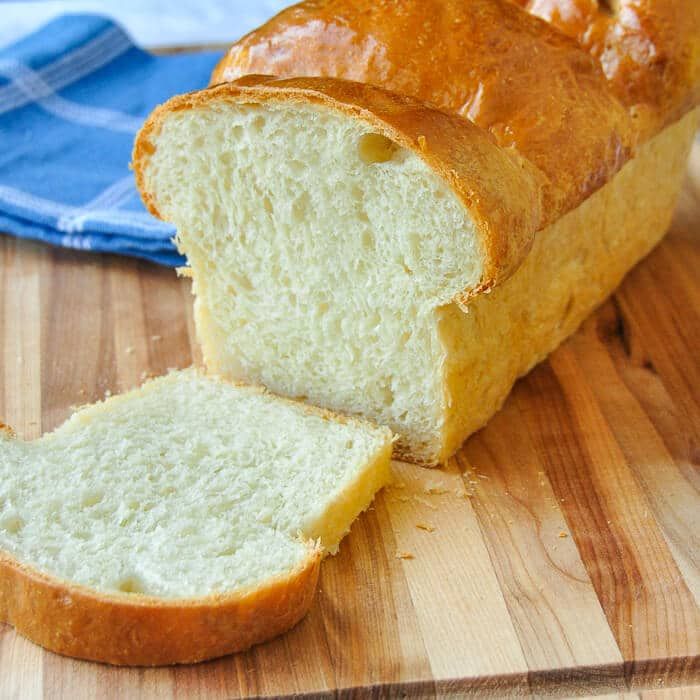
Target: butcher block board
point(557, 554)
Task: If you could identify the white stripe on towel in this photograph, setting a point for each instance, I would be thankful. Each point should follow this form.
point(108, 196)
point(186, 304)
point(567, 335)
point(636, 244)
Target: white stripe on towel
point(33, 85)
point(31, 203)
point(111, 198)
point(72, 67)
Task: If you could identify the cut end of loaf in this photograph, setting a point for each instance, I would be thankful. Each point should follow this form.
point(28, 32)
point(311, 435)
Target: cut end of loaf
point(235, 168)
point(320, 243)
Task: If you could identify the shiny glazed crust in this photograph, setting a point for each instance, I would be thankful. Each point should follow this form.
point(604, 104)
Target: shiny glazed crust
point(649, 50)
point(526, 83)
point(136, 630)
point(502, 191)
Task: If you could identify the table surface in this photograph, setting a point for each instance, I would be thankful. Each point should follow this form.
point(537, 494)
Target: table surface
point(564, 557)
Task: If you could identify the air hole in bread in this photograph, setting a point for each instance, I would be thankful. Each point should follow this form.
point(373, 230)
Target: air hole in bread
point(226, 159)
point(296, 166)
point(236, 132)
point(404, 265)
point(130, 585)
point(388, 395)
point(300, 207)
point(92, 498)
point(375, 148)
point(242, 281)
point(12, 524)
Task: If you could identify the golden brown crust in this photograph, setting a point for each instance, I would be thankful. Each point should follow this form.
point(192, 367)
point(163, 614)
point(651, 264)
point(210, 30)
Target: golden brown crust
point(649, 50)
point(502, 191)
point(569, 273)
point(137, 630)
point(529, 85)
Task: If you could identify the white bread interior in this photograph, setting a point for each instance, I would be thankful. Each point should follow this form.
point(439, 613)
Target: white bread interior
point(186, 488)
point(324, 261)
point(319, 253)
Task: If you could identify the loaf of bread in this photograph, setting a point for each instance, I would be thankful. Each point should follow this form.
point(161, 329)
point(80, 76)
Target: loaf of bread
point(178, 522)
point(427, 198)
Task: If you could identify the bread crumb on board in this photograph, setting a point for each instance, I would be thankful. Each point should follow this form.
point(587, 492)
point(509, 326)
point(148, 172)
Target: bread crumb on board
point(425, 526)
point(404, 555)
point(563, 535)
point(400, 497)
point(435, 488)
point(424, 502)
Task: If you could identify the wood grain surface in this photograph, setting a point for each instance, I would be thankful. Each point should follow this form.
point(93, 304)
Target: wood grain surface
point(557, 554)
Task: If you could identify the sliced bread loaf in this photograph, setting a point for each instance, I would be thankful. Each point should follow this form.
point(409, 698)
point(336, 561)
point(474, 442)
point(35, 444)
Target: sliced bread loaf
point(381, 257)
point(178, 522)
point(427, 198)
point(324, 221)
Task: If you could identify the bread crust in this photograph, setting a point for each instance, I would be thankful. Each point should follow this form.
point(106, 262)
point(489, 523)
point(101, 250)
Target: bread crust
point(502, 191)
point(529, 85)
point(573, 274)
point(137, 630)
point(649, 51)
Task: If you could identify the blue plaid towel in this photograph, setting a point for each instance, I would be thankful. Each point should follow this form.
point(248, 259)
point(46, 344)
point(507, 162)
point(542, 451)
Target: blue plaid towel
point(72, 97)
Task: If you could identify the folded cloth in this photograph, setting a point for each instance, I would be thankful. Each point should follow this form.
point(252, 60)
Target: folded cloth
point(72, 97)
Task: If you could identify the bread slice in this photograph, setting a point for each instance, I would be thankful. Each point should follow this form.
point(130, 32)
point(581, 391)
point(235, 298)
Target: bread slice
point(381, 257)
point(178, 522)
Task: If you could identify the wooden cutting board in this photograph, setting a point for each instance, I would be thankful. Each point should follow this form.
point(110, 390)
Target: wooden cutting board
point(556, 555)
